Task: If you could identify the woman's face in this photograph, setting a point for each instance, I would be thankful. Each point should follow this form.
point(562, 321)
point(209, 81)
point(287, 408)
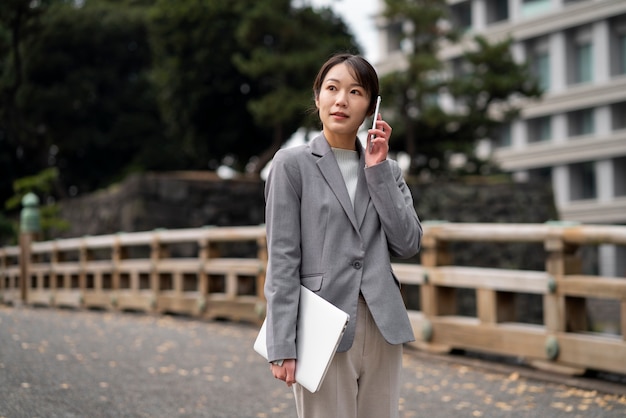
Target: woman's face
point(342, 102)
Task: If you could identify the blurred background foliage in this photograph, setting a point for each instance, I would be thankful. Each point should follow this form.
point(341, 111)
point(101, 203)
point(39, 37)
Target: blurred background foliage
point(103, 88)
point(98, 89)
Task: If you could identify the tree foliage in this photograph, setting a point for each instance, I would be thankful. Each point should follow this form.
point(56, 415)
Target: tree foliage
point(280, 53)
point(97, 89)
point(87, 94)
point(479, 87)
point(19, 21)
point(201, 94)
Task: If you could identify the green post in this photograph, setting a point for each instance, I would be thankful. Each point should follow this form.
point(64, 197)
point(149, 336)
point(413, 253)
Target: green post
point(30, 221)
point(30, 225)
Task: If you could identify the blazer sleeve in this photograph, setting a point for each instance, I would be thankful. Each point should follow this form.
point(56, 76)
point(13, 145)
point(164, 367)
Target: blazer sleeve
point(282, 283)
point(394, 203)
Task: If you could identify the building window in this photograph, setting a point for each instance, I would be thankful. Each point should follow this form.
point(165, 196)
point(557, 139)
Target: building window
point(620, 257)
point(618, 116)
point(617, 45)
point(541, 175)
point(579, 55)
point(502, 136)
point(619, 174)
point(535, 7)
point(461, 68)
point(622, 53)
point(582, 181)
point(538, 53)
point(539, 129)
point(497, 11)
point(541, 68)
point(583, 63)
point(394, 37)
point(580, 122)
point(462, 15)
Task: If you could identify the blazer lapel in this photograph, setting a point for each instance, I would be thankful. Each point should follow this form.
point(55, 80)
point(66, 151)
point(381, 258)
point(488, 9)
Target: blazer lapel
point(362, 197)
point(330, 170)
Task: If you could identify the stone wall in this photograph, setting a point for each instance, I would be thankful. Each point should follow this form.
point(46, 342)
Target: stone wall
point(165, 200)
point(194, 199)
point(488, 202)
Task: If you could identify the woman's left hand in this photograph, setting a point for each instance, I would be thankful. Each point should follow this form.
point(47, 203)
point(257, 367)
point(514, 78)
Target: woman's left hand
point(377, 143)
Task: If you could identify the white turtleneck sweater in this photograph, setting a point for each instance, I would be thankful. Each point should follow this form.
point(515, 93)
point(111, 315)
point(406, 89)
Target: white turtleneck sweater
point(348, 161)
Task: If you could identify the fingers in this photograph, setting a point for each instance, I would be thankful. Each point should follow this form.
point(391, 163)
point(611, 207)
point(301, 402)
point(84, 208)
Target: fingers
point(291, 373)
point(382, 131)
point(379, 138)
point(286, 372)
point(279, 372)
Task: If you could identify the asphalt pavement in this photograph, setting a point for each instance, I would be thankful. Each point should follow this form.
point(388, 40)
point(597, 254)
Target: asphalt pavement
point(68, 363)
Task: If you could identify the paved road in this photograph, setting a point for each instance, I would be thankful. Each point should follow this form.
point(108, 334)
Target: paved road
point(58, 363)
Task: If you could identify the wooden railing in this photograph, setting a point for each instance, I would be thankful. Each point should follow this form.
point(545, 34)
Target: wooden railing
point(562, 342)
point(181, 271)
point(219, 272)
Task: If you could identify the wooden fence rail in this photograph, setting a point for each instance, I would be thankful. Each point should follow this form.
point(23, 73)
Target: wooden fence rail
point(219, 272)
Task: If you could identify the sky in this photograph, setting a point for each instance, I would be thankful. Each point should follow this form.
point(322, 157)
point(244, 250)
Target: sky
point(358, 15)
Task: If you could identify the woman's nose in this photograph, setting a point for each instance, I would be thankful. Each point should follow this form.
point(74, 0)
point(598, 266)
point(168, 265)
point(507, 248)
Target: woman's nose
point(342, 98)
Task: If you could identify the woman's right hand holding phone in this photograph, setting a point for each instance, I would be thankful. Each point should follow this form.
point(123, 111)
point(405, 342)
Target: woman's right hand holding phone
point(377, 142)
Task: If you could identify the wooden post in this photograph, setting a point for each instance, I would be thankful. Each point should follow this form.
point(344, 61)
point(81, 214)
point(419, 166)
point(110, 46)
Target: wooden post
point(262, 256)
point(30, 225)
point(25, 243)
point(560, 313)
point(623, 318)
point(3, 268)
point(116, 256)
point(203, 277)
point(55, 259)
point(157, 252)
point(84, 256)
point(436, 300)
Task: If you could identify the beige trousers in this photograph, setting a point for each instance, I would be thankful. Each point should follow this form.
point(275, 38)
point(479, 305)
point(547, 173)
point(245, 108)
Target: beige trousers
point(363, 382)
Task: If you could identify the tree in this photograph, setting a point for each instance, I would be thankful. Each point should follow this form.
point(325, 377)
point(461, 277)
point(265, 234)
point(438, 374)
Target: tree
point(487, 78)
point(19, 20)
point(89, 95)
point(282, 57)
point(101, 88)
point(202, 94)
point(412, 90)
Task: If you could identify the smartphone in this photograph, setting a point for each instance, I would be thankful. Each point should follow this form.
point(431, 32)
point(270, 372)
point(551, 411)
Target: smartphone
point(376, 112)
point(375, 119)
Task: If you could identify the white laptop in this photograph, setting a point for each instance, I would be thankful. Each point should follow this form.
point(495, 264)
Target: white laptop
point(320, 328)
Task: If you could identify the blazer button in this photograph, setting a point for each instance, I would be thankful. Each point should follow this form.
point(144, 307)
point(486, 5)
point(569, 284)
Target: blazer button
point(357, 264)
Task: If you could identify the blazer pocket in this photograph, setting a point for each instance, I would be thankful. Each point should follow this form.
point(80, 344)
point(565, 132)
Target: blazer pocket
point(312, 282)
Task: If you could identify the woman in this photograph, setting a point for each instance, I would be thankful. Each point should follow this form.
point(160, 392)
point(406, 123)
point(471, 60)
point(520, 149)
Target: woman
point(335, 212)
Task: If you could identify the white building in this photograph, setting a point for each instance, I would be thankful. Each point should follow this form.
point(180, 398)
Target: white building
point(575, 137)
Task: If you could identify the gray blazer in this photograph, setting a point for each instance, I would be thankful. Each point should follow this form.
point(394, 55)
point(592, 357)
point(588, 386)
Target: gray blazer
point(316, 238)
